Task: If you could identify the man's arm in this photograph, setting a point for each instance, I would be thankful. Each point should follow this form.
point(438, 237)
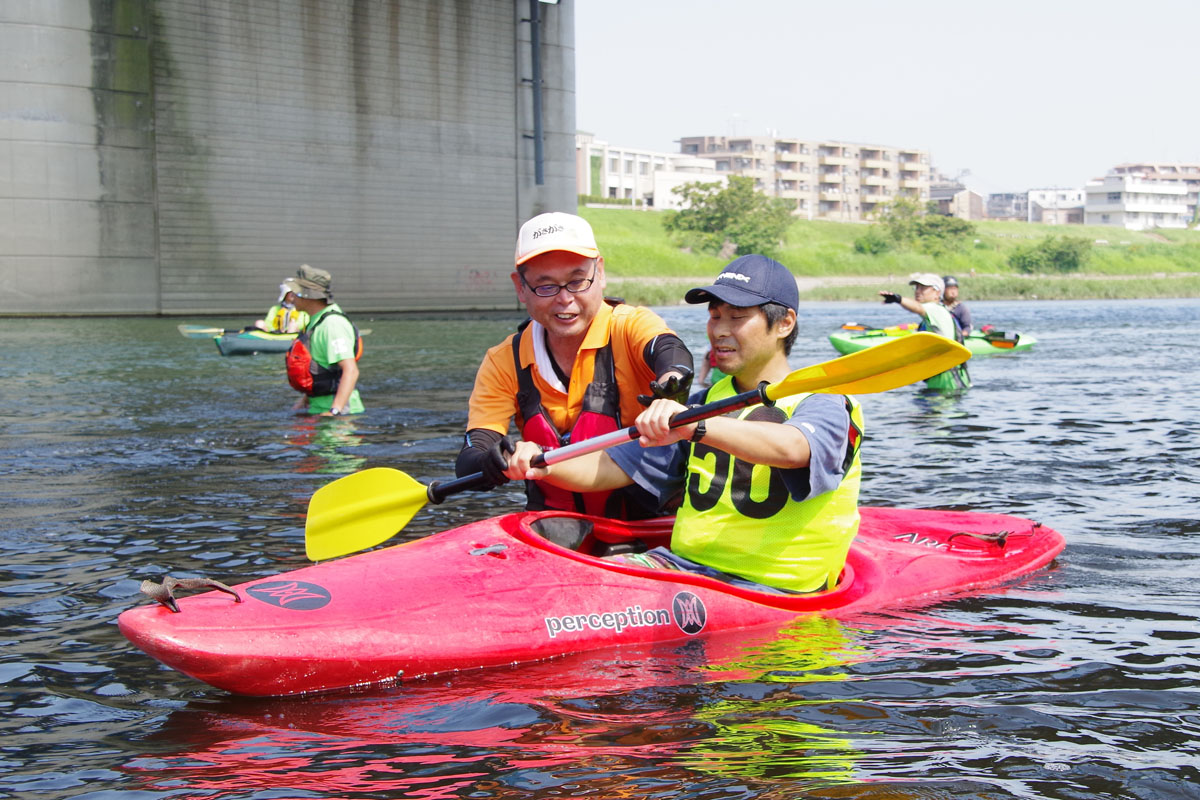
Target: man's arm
point(492, 406)
point(964, 318)
point(346, 384)
point(907, 303)
point(667, 355)
point(753, 441)
point(591, 472)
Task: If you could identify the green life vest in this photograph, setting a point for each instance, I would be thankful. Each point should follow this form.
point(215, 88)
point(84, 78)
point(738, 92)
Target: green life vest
point(939, 320)
point(740, 518)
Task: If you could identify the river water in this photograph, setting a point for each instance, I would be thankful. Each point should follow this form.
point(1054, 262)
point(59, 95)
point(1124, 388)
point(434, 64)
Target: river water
point(128, 452)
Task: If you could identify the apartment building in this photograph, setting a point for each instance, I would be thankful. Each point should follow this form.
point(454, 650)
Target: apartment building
point(825, 179)
point(1177, 173)
point(1047, 206)
point(1056, 206)
point(1135, 203)
point(1008, 205)
point(646, 178)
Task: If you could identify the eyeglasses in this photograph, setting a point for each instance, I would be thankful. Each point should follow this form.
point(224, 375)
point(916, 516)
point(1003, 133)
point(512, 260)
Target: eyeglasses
point(574, 287)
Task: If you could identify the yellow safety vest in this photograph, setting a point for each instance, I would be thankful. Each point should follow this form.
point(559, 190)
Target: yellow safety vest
point(280, 318)
point(740, 518)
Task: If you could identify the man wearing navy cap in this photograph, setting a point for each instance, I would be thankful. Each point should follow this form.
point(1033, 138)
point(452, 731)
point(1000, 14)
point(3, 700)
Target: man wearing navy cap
point(770, 493)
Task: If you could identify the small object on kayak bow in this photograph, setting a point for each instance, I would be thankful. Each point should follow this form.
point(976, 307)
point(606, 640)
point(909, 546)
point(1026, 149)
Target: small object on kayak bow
point(165, 592)
point(998, 538)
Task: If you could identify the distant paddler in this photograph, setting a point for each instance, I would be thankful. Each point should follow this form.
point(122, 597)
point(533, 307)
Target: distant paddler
point(283, 317)
point(926, 303)
point(957, 308)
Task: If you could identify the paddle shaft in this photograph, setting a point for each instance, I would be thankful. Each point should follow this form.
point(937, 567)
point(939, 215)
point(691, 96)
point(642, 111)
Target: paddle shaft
point(439, 491)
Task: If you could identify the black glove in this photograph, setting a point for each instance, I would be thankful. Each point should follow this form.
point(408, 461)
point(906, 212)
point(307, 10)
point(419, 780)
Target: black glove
point(495, 461)
point(890, 297)
point(675, 388)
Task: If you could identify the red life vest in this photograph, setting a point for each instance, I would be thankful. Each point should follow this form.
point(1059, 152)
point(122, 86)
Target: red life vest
point(303, 371)
point(600, 414)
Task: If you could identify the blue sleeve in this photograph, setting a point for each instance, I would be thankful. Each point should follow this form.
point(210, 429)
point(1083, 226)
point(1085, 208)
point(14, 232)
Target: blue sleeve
point(656, 470)
point(825, 423)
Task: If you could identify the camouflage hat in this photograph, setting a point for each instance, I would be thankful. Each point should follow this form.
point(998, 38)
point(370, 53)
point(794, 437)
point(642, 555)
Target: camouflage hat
point(311, 283)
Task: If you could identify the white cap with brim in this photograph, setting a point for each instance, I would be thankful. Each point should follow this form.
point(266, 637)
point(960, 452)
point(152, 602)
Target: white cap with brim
point(555, 230)
point(927, 279)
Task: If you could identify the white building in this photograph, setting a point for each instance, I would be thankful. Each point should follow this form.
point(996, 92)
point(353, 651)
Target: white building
point(1132, 202)
point(1056, 206)
point(1168, 172)
point(645, 178)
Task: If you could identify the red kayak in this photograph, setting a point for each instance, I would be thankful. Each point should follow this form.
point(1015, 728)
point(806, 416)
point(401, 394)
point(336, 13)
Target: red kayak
point(532, 585)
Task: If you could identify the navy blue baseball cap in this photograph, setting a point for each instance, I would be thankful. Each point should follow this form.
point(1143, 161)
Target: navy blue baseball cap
point(750, 281)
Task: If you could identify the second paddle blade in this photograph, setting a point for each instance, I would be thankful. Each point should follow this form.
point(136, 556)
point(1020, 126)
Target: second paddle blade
point(360, 511)
point(890, 365)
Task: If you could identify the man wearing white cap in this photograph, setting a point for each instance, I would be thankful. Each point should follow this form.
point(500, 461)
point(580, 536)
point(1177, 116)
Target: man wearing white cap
point(574, 370)
point(926, 303)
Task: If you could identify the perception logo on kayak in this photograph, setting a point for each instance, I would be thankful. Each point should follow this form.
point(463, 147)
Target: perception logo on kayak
point(687, 612)
point(690, 614)
point(292, 595)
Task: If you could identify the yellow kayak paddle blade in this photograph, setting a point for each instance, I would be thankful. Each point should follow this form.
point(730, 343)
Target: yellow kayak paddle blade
point(360, 511)
point(895, 363)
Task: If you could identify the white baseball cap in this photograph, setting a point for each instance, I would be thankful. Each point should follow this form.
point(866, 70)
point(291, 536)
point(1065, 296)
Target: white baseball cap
point(927, 279)
point(555, 230)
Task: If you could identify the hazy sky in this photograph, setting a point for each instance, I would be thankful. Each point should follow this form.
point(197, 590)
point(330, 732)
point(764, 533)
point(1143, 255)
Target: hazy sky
point(1023, 94)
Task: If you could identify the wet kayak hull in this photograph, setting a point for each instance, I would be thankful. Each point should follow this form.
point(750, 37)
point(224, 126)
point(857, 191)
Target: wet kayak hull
point(501, 591)
point(248, 343)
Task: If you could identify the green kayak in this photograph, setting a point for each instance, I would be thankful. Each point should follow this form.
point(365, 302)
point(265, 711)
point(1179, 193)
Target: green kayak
point(245, 343)
point(851, 339)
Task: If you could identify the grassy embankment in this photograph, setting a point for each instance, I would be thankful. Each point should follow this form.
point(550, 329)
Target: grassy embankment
point(645, 265)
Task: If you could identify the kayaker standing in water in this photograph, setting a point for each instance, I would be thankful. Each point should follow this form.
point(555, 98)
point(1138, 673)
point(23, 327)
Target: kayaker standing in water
point(323, 361)
point(770, 493)
point(926, 303)
point(574, 370)
point(957, 308)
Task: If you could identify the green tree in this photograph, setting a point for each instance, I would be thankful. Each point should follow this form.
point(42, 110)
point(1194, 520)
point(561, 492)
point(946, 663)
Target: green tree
point(900, 220)
point(714, 214)
point(906, 223)
point(1052, 254)
point(938, 234)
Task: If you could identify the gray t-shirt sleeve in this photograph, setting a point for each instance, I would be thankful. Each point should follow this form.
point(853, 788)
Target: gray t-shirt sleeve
point(822, 418)
point(825, 423)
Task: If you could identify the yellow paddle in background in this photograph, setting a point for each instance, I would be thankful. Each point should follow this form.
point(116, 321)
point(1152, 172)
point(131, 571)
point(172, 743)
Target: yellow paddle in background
point(369, 507)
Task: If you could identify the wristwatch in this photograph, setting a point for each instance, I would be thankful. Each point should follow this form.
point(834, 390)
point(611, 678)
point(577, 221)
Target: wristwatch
point(698, 434)
point(335, 411)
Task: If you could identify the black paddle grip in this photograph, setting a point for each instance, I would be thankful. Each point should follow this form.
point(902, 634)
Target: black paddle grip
point(438, 491)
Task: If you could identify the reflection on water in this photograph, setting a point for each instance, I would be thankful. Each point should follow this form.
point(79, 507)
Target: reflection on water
point(144, 453)
point(327, 445)
point(538, 727)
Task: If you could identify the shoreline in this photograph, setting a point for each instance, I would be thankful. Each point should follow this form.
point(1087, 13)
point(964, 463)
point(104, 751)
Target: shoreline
point(851, 288)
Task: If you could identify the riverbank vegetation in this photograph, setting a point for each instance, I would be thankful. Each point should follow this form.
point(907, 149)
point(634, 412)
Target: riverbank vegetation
point(646, 265)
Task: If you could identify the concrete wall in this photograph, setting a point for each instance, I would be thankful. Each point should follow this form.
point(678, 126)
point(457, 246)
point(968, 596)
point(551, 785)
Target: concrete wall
point(76, 179)
point(183, 156)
